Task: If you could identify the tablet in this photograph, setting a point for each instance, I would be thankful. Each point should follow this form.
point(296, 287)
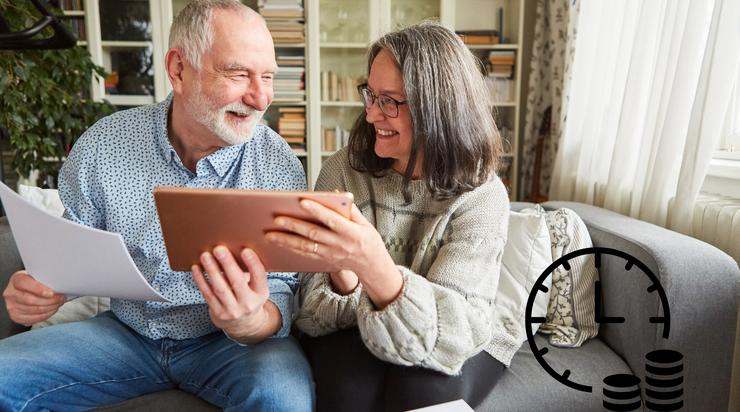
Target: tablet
point(196, 220)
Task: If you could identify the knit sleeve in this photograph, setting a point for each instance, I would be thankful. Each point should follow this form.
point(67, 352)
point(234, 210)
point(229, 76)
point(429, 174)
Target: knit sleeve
point(443, 317)
point(322, 310)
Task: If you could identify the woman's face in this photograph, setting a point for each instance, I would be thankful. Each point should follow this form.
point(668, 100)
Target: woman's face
point(393, 136)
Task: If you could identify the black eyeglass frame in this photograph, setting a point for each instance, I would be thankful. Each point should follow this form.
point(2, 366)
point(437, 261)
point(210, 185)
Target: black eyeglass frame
point(364, 87)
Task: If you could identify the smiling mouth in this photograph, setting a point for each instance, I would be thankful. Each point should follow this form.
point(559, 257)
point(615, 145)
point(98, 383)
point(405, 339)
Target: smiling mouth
point(382, 133)
point(238, 115)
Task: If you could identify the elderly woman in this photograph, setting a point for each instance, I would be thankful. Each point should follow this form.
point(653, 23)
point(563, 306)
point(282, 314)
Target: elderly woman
point(419, 260)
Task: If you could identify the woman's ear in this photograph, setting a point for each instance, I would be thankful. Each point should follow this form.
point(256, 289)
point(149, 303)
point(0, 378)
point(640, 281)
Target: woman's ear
point(175, 65)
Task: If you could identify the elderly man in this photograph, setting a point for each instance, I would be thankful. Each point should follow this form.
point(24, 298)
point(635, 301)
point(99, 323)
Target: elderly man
point(225, 339)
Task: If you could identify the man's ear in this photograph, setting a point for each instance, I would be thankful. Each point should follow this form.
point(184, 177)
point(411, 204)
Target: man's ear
point(175, 65)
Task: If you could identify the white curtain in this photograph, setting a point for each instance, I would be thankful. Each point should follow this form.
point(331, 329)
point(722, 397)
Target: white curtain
point(649, 91)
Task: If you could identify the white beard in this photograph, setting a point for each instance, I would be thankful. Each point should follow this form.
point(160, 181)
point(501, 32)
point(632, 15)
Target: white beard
point(205, 112)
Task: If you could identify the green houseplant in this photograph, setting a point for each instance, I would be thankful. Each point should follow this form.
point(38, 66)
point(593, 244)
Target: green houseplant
point(44, 102)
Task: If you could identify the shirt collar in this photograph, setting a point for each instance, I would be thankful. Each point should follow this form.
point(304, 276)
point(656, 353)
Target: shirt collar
point(162, 134)
point(220, 160)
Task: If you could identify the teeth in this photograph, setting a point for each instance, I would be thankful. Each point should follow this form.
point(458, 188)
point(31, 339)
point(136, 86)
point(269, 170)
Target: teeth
point(385, 132)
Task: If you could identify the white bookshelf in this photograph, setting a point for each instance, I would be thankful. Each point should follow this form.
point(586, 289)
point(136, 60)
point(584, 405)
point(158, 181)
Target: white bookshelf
point(338, 33)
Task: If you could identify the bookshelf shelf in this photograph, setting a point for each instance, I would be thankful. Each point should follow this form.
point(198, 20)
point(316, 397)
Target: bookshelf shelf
point(125, 44)
point(288, 102)
point(505, 104)
point(129, 100)
point(342, 104)
point(493, 46)
point(362, 46)
point(74, 13)
point(290, 45)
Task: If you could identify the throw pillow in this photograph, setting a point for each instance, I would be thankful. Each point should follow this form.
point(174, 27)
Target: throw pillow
point(526, 255)
point(77, 309)
point(570, 314)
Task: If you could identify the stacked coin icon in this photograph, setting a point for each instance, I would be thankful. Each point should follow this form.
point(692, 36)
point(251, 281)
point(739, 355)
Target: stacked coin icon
point(664, 380)
point(621, 392)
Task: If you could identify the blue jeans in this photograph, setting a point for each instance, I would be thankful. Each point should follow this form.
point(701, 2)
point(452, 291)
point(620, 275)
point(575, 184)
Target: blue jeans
point(101, 361)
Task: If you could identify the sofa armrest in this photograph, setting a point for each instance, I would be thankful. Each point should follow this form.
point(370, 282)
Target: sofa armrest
point(701, 283)
point(10, 262)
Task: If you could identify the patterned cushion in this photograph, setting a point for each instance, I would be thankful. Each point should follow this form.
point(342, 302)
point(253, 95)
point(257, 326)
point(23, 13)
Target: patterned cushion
point(571, 312)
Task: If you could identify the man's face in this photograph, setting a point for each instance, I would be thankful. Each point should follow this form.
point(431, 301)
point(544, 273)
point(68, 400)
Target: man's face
point(234, 85)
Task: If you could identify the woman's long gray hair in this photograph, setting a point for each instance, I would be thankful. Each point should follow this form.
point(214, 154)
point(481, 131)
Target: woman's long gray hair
point(451, 113)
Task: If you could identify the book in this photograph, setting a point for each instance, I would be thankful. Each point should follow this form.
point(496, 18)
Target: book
point(479, 36)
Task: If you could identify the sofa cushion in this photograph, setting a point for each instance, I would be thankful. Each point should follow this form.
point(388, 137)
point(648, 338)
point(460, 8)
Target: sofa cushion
point(525, 386)
point(571, 312)
point(167, 401)
point(526, 254)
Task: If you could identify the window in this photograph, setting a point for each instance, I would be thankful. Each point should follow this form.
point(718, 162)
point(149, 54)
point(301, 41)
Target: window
point(723, 177)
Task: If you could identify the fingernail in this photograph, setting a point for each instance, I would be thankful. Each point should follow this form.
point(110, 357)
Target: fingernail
point(280, 221)
point(270, 237)
point(248, 253)
point(48, 294)
point(306, 203)
point(220, 252)
point(206, 257)
point(193, 268)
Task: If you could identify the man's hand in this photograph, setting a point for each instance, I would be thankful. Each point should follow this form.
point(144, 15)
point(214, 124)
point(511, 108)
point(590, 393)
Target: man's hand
point(237, 300)
point(29, 301)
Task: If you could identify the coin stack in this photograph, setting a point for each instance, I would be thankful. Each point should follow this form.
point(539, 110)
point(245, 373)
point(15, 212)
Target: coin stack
point(664, 380)
point(621, 392)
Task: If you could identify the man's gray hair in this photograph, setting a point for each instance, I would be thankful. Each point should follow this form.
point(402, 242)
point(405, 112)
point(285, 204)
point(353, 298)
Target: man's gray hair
point(191, 30)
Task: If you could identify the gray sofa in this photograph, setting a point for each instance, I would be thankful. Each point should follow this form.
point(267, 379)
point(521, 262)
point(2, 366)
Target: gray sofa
point(701, 284)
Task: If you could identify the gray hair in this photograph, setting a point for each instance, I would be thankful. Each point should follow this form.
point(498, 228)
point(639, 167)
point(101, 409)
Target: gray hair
point(451, 112)
point(191, 30)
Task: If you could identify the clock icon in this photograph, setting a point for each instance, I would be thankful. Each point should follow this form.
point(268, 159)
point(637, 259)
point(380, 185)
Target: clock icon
point(631, 263)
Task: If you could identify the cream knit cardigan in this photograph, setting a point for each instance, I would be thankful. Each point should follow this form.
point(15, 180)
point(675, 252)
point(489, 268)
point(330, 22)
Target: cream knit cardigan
point(449, 254)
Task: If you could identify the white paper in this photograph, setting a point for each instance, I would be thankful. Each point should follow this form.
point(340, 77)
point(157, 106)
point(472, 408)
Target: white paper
point(454, 406)
point(73, 259)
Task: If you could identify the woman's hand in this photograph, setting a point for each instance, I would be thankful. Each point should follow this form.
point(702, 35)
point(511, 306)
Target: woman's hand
point(347, 244)
point(344, 282)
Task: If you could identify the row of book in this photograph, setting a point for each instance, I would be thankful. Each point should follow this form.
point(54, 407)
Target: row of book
point(71, 5)
point(285, 19)
point(501, 63)
point(479, 36)
point(292, 127)
point(289, 83)
point(336, 88)
point(77, 27)
point(334, 139)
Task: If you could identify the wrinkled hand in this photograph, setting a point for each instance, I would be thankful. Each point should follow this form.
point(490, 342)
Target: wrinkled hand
point(237, 300)
point(347, 244)
point(344, 282)
point(350, 244)
point(29, 301)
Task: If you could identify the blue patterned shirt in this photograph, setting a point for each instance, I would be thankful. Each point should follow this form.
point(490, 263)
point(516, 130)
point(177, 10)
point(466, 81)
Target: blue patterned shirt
point(107, 183)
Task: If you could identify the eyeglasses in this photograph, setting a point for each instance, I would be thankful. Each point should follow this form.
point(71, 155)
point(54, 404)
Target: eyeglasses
point(387, 104)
